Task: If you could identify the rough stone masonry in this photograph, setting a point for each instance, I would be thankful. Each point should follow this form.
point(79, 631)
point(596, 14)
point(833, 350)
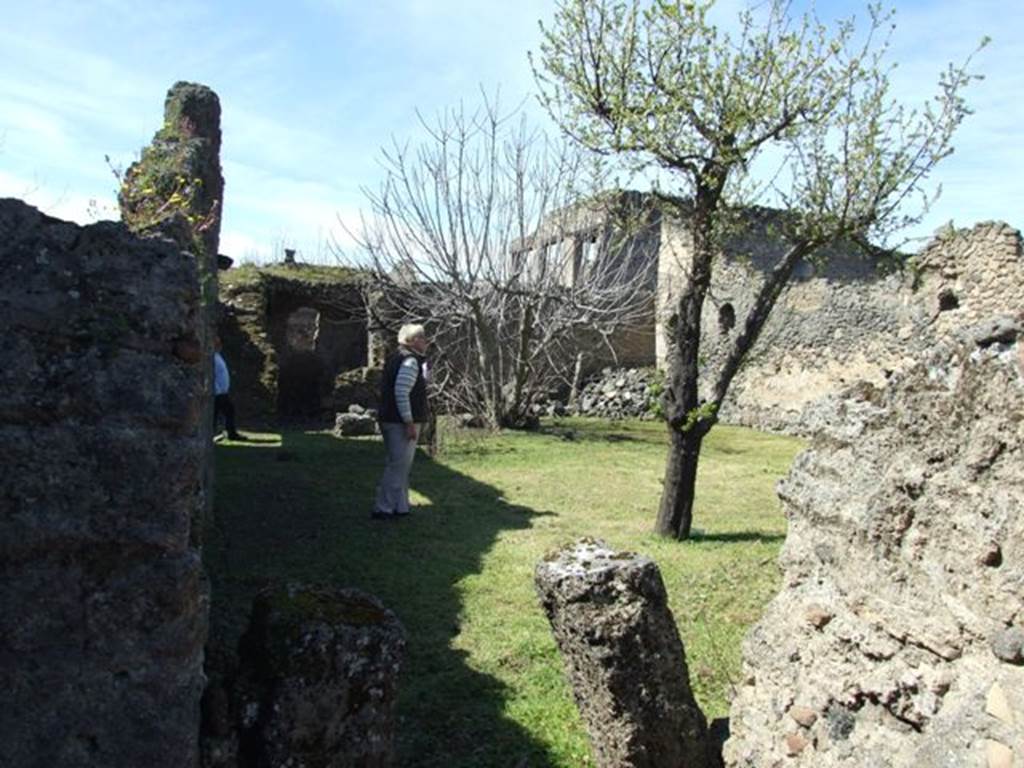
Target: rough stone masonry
point(850, 324)
point(317, 684)
point(176, 189)
point(897, 638)
point(102, 611)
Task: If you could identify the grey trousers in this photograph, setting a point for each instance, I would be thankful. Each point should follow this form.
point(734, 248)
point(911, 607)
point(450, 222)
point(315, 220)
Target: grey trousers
point(393, 488)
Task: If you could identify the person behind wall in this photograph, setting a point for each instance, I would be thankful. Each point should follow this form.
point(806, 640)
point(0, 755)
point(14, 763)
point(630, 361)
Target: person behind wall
point(403, 412)
point(221, 394)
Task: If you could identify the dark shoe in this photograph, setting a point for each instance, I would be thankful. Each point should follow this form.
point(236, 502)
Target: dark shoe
point(403, 514)
point(378, 515)
point(238, 438)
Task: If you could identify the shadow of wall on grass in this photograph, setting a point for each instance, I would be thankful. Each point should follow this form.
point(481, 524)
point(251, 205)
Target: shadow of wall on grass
point(300, 511)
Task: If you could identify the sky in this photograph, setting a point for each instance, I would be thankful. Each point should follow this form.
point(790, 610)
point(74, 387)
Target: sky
point(311, 90)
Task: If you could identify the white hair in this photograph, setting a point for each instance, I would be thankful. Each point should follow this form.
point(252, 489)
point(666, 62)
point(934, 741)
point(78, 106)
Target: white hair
point(409, 332)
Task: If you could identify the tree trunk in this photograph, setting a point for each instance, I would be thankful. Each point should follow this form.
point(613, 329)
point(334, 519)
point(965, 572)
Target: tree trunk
point(487, 357)
point(675, 514)
point(686, 422)
point(577, 376)
point(518, 409)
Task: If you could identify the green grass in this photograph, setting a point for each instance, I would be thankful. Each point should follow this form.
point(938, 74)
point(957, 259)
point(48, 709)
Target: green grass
point(483, 683)
point(249, 274)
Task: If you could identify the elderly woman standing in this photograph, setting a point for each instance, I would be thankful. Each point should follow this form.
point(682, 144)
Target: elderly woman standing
point(403, 410)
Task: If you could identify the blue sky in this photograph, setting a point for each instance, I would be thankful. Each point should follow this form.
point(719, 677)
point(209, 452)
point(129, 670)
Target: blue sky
point(312, 89)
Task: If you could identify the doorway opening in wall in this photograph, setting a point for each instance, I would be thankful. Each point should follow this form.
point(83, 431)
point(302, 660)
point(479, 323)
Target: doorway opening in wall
point(301, 370)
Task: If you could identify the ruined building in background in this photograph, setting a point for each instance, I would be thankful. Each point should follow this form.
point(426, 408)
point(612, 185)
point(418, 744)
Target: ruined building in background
point(898, 636)
point(297, 341)
point(606, 240)
point(843, 318)
point(822, 333)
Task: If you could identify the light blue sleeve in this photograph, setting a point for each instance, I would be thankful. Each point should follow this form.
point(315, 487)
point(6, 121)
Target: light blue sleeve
point(221, 377)
point(408, 372)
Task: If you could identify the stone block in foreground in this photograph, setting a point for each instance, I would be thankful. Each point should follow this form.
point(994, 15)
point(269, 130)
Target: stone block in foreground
point(319, 679)
point(626, 663)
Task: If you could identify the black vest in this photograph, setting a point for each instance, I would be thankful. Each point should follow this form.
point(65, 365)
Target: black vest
point(417, 397)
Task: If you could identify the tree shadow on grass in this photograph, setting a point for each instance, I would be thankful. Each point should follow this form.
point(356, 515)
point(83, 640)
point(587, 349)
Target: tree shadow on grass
point(300, 511)
point(735, 536)
point(601, 431)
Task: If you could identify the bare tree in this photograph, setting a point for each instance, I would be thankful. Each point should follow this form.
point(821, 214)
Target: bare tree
point(656, 83)
point(484, 232)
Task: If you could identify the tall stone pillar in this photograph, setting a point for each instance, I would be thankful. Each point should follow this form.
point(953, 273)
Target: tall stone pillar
point(176, 188)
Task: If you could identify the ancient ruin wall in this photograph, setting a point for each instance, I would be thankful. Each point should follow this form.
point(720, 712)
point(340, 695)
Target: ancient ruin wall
point(244, 330)
point(964, 277)
point(102, 391)
point(898, 637)
point(272, 375)
point(176, 189)
point(841, 321)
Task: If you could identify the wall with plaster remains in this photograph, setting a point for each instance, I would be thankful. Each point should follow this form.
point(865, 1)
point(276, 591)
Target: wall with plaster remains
point(898, 635)
point(846, 322)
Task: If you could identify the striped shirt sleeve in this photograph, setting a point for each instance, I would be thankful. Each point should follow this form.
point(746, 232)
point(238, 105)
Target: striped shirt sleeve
point(408, 372)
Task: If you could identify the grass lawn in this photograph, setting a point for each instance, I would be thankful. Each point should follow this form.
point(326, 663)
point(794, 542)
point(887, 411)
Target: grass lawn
point(483, 683)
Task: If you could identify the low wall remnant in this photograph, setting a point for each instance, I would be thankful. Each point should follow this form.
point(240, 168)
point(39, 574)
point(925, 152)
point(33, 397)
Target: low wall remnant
point(316, 685)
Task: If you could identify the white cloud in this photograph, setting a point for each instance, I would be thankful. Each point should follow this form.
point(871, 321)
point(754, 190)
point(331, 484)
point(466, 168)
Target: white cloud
point(311, 92)
point(61, 204)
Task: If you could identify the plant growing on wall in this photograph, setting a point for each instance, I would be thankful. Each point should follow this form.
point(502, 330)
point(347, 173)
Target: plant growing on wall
point(478, 232)
point(658, 85)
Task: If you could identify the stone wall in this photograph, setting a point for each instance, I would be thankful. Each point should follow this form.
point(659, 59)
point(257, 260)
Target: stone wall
point(287, 336)
point(316, 683)
point(898, 637)
point(835, 322)
point(841, 320)
point(102, 396)
point(966, 276)
point(629, 346)
point(176, 189)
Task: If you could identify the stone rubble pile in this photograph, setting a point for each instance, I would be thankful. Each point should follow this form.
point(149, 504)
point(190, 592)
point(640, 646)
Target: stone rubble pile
point(356, 421)
point(614, 393)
